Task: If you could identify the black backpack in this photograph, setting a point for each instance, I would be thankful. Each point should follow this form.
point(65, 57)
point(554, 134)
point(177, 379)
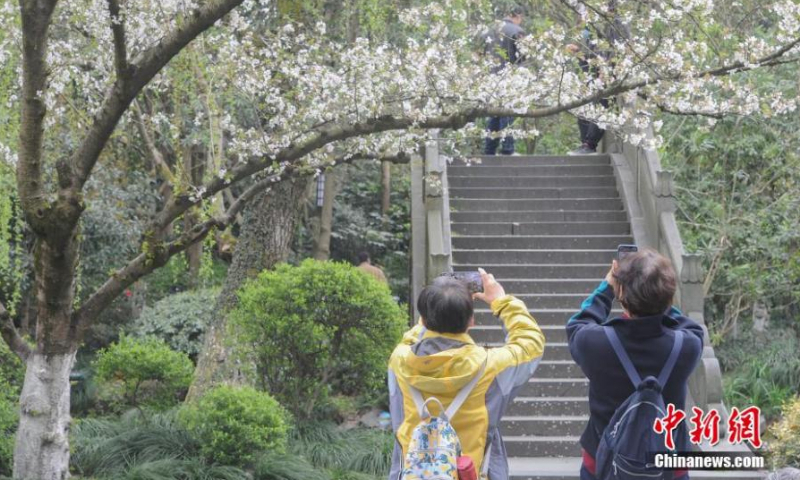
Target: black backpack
point(629, 436)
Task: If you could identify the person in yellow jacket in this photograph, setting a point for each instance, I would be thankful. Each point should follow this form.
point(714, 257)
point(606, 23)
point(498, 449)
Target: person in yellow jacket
point(438, 358)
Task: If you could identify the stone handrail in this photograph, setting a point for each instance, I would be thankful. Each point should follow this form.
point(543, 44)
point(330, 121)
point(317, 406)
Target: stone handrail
point(430, 218)
point(649, 194)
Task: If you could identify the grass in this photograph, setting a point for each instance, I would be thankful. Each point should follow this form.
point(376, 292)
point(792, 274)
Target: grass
point(156, 447)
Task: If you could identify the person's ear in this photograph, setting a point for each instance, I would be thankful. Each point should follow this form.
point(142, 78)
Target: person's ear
point(471, 322)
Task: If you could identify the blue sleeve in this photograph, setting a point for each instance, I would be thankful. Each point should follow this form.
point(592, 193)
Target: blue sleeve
point(594, 311)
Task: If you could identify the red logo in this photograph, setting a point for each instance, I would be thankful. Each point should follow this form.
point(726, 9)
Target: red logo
point(743, 426)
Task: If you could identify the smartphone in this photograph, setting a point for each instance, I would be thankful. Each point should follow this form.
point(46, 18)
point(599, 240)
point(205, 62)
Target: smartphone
point(624, 250)
point(471, 279)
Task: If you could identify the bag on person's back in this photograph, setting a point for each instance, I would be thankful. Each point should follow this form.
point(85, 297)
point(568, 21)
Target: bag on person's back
point(434, 449)
point(629, 437)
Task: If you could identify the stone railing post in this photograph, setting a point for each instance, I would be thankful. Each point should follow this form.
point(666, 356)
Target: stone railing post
point(419, 234)
point(437, 208)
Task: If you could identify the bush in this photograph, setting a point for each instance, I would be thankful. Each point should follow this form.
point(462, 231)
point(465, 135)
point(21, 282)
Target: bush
point(137, 448)
point(362, 450)
point(8, 425)
point(142, 372)
point(180, 319)
point(784, 449)
point(234, 424)
point(317, 329)
point(766, 376)
point(12, 373)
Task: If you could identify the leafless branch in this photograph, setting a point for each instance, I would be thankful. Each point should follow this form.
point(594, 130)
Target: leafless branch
point(120, 49)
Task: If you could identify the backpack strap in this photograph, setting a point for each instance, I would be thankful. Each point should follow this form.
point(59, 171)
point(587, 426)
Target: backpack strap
point(672, 360)
point(459, 399)
point(464, 392)
point(622, 355)
point(630, 369)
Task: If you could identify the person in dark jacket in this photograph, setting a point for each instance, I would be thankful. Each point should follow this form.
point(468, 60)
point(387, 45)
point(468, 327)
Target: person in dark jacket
point(645, 284)
point(589, 53)
point(503, 48)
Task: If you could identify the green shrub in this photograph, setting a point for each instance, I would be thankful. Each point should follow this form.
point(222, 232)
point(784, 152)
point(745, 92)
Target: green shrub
point(784, 448)
point(363, 450)
point(137, 448)
point(766, 376)
point(8, 425)
point(317, 329)
point(142, 372)
point(283, 466)
point(12, 373)
point(235, 424)
point(180, 319)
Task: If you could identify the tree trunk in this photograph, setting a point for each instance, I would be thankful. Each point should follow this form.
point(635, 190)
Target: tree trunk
point(386, 189)
point(194, 163)
point(42, 446)
point(41, 451)
point(268, 229)
point(322, 246)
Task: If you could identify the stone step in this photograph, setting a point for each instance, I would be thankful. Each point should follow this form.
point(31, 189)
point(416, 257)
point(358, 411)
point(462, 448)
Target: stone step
point(541, 228)
point(539, 242)
point(492, 335)
point(542, 271)
point(553, 350)
point(532, 193)
point(555, 387)
point(532, 182)
point(549, 285)
point(559, 369)
point(528, 216)
point(524, 160)
point(549, 406)
point(543, 425)
point(506, 205)
point(543, 446)
point(528, 170)
point(554, 316)
point(532, 256)
point(568, 468)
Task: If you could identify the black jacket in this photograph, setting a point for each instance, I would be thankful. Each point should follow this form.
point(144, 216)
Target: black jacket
point(647, 340)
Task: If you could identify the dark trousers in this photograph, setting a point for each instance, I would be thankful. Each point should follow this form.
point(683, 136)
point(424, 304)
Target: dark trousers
point(497, 124)
point(591, 133)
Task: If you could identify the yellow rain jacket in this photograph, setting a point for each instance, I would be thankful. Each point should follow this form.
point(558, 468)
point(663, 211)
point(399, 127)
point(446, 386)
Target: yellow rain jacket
point(440, 364)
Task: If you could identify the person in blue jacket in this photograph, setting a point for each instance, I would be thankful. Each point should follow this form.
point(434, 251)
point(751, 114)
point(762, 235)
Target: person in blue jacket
point(644, 282)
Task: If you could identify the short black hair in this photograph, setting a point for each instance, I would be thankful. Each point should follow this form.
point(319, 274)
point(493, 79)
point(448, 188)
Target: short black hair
point(445, 306)
point(363, 257)
point(645, 283)
point(516, 11)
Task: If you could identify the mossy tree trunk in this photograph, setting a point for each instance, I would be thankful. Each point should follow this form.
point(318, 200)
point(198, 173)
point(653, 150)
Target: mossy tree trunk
point(268, 229)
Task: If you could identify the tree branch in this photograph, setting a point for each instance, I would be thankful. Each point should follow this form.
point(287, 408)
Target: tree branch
point(36, 18)
point(142, 70)
point(11, 335)
point(120, 49)
point(158, 255)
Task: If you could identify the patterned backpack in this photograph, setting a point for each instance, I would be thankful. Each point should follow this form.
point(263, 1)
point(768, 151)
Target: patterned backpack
point(434, 447)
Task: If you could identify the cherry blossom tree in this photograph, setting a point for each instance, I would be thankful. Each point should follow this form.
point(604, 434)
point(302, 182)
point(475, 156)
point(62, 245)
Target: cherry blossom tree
point(285, 102)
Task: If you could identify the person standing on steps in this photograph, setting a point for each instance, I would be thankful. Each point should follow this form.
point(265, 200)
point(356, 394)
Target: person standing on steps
point(366, 266)
point(438, 358)
point(502, 46)
point(645, 284)
point(589, 54)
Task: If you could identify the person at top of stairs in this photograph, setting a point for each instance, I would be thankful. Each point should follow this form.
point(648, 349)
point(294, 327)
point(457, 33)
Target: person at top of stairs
point(438, 358)
point(502, 46)
point(645, 284)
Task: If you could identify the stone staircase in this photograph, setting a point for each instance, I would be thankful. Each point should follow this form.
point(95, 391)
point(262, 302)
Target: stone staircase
point(547, 227)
